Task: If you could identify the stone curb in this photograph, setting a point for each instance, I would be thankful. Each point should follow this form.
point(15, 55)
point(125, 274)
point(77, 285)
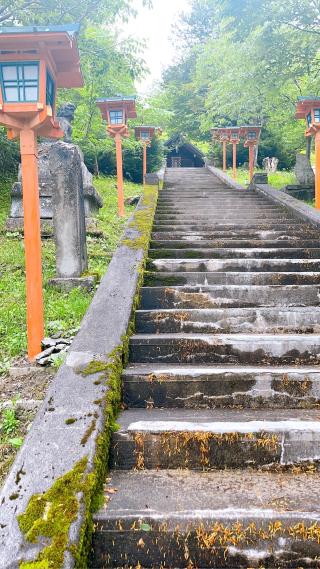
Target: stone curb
point(71, 421)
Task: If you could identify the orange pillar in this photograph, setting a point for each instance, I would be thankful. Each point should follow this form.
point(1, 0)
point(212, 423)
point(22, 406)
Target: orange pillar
point(119, 175)
point(251, 161)
point(32, 241)
point(234, 158)
point(317, 175)
point(224, 145)
point(144, 162)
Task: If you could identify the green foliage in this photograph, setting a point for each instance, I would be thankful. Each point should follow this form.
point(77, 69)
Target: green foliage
point(247, 61)
point(10, 422)
point(63, 11)
point(63, 311)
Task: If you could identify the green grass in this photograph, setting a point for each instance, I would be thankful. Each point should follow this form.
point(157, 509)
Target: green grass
point(63, 311)
point(277, 180)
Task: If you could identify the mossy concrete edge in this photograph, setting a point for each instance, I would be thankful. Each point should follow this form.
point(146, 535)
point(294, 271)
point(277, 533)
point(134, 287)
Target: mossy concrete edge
point(74, 423)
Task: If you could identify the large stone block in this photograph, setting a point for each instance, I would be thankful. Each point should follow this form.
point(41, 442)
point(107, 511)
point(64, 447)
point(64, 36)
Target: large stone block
point(92, 200)
point(303, 171)
point(68, 210)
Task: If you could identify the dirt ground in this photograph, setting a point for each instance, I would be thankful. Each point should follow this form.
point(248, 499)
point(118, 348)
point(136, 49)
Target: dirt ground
point(21, 389)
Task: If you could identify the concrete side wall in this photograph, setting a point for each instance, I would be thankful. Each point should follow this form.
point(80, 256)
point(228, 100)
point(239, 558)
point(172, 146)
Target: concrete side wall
point(299, 208)
point(71, 423)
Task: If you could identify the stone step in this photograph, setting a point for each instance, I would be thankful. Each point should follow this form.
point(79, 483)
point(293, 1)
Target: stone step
point(212, 208)
point(188, 242)
point(232, 296)
point(258, 225)
point(294, 235)
point(207, 387)
point(169, 279)
point(215, 439)
point(247, 349)
point(234, 265)
point(234, 253)
point(292, 320)
point(220, 217)
point(225, 519)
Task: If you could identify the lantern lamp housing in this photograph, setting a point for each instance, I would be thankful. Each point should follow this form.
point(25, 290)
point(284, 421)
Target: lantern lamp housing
point(308, 108)
point(117, 110)
point(34, 62)
point(146, 132)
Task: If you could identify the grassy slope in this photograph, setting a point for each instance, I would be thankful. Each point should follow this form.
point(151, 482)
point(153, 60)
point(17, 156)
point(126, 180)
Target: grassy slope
point(278, 180)
point(63, 311)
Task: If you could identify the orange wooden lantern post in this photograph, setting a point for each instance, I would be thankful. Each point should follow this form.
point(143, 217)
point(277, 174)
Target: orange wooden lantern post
point(251, 135)
point(145, 134)
point(224, 139)
point(234, 138)
point(308, 108)
point(34, 61)
point(116, 111)
point(221, 135)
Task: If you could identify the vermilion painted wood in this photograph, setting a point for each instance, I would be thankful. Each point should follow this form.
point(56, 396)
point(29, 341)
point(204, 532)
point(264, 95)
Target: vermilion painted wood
point(118, 142)
point(32, 241)
point(117, 131)
point(234, 159)
point(224, 150)
point(144, 162)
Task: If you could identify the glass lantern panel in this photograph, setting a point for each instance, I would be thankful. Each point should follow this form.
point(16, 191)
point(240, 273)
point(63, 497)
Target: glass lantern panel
point(20, 82)
point(252, 135)
point(12, 94)
point(31, 72)
point(50, 90)
point(309, 119)
point(317, 115)
point(144, 135)
point(9, 73)
point(234, 136)
point(116, 117)
point(31, 93)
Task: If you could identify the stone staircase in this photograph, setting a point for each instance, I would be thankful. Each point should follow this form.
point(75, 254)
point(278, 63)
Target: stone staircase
point(215, 461)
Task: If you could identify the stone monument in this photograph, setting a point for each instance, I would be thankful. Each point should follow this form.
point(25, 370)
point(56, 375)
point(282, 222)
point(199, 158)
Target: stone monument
point(68, 215)
point(92, 200)
point(303, 171)
point(305, 189)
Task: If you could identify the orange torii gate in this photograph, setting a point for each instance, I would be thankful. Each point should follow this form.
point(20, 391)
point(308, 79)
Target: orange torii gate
point(232, 135)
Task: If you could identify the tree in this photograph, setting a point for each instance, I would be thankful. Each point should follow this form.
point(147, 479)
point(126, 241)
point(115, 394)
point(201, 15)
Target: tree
point(248, 60)
point(62, 11)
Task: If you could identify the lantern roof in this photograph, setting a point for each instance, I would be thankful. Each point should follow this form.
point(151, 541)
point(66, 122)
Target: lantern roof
point(57, 44)
point(128, 103)
point(305, 105)
point(148, 127)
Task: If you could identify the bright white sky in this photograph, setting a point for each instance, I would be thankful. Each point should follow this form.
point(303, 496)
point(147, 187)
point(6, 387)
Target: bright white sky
point(155, 26)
